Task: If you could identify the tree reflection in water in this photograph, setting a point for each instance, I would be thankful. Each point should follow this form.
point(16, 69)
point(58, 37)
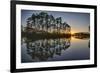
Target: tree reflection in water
point(42, 50)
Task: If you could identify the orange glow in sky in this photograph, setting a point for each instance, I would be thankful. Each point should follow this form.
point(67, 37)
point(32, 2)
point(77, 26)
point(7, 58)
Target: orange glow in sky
point(73, 31)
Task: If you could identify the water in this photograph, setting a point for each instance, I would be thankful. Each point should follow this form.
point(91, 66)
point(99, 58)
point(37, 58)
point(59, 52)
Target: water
point(60, 49)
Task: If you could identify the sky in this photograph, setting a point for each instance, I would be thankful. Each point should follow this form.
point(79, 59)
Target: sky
point(79, 22)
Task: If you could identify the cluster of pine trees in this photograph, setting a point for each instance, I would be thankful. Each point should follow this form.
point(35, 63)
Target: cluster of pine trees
point(43, 22)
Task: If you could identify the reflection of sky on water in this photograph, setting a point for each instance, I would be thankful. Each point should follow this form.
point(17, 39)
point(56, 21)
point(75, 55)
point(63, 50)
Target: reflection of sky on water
point(55, 50)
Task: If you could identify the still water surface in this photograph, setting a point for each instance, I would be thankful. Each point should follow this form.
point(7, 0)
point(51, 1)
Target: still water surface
point(59, 49)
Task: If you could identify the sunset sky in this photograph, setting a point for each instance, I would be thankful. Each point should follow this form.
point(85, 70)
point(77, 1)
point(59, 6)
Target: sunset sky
point(79, 22)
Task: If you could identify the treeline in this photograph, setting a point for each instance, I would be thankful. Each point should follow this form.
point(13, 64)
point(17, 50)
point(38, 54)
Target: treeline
point(43, 22)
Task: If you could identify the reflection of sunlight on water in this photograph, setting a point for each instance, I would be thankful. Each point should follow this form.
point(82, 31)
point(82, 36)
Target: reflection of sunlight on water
point(79, 42)
point(75, 39)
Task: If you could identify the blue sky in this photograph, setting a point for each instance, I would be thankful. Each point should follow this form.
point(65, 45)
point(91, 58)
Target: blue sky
point(79, 22)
